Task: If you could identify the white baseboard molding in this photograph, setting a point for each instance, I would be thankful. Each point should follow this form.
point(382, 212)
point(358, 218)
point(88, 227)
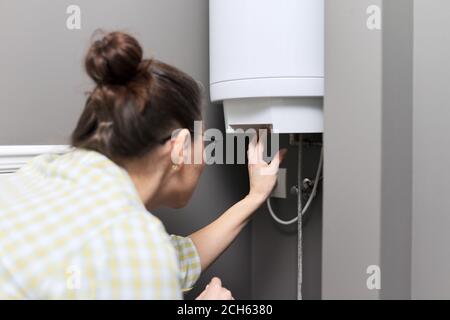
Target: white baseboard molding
point(12, 158)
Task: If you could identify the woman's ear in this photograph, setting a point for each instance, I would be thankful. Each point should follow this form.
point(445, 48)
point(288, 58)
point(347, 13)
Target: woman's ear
point(181, 147)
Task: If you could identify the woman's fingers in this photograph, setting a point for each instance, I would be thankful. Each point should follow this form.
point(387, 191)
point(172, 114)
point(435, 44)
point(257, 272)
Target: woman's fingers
point(201, 296)
point(260, 147)
point(256, 149)
point(252, 149)
point(215, 282)
point(226, 294)
point(272, 168)
point(275, 163)
point(215, 291)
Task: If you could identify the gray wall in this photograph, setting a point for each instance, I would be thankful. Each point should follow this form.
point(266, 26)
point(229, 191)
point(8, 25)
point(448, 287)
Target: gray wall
point(352, 138)
point(42, 79)
point(43, 89)
point(431, 219)
point(412, 234)
point(397, 122)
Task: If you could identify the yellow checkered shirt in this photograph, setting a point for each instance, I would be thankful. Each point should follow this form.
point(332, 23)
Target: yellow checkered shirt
point(72, 226)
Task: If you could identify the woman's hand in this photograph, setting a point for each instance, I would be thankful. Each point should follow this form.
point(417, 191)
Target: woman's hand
point(213, 239)
point(263, 176)
point(215, 291)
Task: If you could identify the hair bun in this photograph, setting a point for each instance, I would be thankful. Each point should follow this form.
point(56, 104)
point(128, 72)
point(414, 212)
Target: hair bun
point(115, 59)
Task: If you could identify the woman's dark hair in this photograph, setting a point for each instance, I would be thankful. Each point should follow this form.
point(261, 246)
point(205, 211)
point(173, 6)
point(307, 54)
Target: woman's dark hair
point(136, 103)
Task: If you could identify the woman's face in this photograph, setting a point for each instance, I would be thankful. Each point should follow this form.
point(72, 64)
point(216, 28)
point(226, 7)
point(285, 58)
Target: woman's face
point(184, 178)
point(193, 170)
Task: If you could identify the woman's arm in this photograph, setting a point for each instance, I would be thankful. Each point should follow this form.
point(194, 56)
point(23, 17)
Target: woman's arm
point(213, 239)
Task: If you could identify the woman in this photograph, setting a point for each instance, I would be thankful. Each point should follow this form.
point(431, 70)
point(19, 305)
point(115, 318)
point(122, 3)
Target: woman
point(79, 226)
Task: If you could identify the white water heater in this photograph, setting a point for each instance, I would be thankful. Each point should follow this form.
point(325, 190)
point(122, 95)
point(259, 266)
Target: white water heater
point(267, 63)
